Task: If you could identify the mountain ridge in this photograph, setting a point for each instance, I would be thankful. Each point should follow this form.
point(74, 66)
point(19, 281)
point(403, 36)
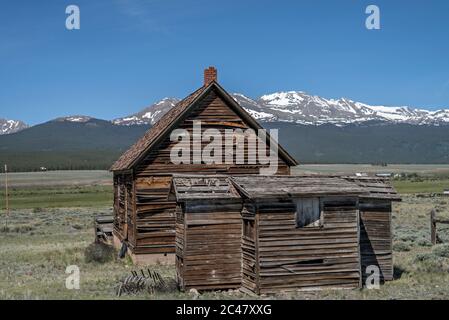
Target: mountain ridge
point(301, 108)
point(11, 126)
point(96, 144)
point(295, 107)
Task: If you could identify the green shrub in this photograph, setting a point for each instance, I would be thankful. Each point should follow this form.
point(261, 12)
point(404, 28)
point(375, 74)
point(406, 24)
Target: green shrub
point(38, 210)
point(429, 262)
point(99, 252)
point(401, 247)
point(422, 257)
point(407, 237)
point(424, 243)
point(77, 226)
point(441, 250)
point(23, 228)
point(4, 229)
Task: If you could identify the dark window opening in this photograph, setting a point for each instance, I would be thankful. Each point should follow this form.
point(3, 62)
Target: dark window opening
point(308, 213)
point(248, 228)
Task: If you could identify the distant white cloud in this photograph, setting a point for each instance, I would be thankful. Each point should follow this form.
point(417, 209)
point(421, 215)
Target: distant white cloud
point(134, 8)
point(142, 13)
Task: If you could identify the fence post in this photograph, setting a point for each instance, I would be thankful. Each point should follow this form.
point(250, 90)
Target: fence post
point(433, 227)
point(6, 195)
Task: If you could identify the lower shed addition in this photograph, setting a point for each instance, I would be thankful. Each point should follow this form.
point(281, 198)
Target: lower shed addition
point(267, 234)
point(299, 233)
point(208, 233)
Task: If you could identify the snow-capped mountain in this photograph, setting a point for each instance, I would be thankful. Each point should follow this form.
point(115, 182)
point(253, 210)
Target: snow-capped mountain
point(291, 106)
point(11, 126)
point(78, 118)
point(149, 115)
point(299, 107)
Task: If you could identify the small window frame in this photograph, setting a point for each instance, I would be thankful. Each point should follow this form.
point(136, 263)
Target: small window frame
point(309, 213)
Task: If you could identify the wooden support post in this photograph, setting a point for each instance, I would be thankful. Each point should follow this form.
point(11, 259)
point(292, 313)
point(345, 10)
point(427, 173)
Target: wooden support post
point(96, 230)
point(6, 195)
point(433, 227)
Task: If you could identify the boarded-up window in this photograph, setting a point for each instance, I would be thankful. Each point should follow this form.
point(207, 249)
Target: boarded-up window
point(308, 213)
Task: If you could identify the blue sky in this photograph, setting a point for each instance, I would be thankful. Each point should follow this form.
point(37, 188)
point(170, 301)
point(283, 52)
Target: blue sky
point(130, 53)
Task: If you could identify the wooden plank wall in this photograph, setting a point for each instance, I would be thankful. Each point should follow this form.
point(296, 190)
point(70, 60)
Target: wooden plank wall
point(376, 237)
point(249, 244)
point(123, 205)
point(130, 209)
point(209, 251)
point(155, 217)
point(180, 245)
point(290, 258)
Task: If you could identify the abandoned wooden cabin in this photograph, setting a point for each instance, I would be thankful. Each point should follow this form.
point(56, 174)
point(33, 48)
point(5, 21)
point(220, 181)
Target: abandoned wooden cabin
point(376, 230)
point(144, 217)
point(229, 227)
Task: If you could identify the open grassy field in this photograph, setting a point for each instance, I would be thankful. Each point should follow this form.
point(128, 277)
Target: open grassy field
point(51, 227)
point(57, 178)
point(56, 189)
point(58, 197)
point(431, 170)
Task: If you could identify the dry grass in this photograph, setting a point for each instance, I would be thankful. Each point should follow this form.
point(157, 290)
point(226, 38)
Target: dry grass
point(39, 242)
point(34, 259)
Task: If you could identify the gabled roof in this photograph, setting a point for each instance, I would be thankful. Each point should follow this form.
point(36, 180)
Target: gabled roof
point(263, 187)
point(176, 114)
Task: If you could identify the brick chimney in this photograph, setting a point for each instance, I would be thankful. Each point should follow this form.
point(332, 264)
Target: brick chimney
point(210, 74)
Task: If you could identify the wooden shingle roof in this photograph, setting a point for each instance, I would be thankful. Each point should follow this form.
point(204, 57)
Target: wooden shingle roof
point(132, 154)
point(175, 114)
point(377, 187)
point(260, 187)
point(192, 187)
point(203, 187)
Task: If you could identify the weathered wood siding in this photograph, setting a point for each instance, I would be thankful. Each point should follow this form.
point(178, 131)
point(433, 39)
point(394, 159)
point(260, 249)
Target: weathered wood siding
point(155, 215)
point(180, 245)
point(376, 236)
point(130, 209)
point(124, 203)
point(209, 254)
point(290, 258)
point(249, 244)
